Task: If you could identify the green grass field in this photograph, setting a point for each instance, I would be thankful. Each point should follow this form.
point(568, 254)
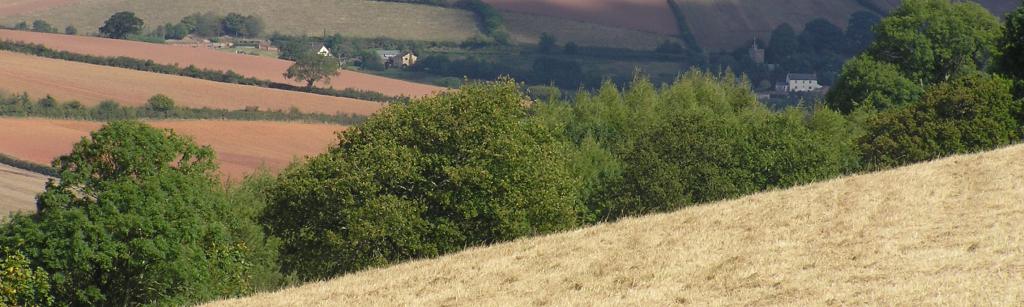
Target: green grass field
point(358, 18)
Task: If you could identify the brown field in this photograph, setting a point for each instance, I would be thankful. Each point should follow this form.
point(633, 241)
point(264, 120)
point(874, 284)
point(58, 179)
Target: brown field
point(241, 146)
point(246, 65)
point(16, 7)
point(527, 28)
point(360, 18)
point(942, 233)
point(18, 189)
point(645, 15)
point(90, 84)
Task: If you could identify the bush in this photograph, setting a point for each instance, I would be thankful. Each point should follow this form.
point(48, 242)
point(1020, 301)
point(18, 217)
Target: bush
point(435, 176)
point(21, 285)
point(138, 217)
point(967, 115)
point(71, 30)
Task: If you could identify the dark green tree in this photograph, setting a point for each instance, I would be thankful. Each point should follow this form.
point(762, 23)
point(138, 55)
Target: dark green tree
point(877, 85)
point(160, 104)
point(973, 113)
point(783, 44)
point(860, 31)
point(936, 40)
point(571, 48)
point(1011, 45)
point(21, 26)
point(434, 176)
point(820, 35)
point(138, 217)
point(42, 26)
point(547, 43)
point(311, 67)
point(71, 30)
point(121, 24)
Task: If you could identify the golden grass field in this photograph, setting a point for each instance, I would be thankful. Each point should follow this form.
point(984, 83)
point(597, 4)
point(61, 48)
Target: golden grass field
point(91, 84)
point(18, 189)
point(947, 232)
point(360, 18)
point(242, 147)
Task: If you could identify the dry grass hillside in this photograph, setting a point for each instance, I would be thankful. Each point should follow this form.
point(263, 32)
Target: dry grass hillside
point(945, 232)
point(362, 18)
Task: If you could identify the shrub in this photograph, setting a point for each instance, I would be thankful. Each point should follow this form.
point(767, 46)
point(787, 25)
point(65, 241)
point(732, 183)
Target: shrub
point(966, 115)
point(434, 176)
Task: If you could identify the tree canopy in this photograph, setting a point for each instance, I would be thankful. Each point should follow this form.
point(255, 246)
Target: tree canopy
point(311, 67)
point(121, 24)
point(137, 217)
point(459, 169)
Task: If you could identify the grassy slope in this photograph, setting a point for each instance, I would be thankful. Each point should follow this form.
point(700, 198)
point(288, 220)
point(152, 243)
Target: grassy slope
point(944, 232)
point(360, 18)
point(527, 28)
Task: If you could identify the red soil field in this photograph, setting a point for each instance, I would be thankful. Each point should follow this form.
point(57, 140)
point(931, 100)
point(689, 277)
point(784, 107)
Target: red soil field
point(90, 84)
point(241, 146)
point(645, 15)
point(14, 7)
point(246, 65)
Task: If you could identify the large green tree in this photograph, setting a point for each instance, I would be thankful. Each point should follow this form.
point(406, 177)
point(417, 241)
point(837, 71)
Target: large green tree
point(937, 40)
point(121, 24)
point(138, 217)
point(1012, 45)
point(865, 81)
point(311, 67)
point(435, 176)
point(783, 44)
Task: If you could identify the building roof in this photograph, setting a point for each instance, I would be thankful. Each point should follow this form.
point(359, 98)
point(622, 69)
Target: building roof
point(388, 53)
point(802, 77)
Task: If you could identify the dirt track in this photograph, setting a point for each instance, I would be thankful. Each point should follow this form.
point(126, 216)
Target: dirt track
point(246, 65)
point(90, 84)
point(241, 146)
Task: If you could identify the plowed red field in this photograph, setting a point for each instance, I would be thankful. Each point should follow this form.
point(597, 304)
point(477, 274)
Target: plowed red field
point(241, 146)
point(90, 84)
point(246, 65)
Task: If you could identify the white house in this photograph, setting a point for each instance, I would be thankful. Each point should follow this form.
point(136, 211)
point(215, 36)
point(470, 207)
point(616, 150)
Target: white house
point(320, 49)
point(802, 83)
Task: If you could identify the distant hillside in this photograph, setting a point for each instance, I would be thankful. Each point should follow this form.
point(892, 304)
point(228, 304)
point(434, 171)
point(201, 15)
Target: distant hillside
point(946, 232)
point(360, 18)
point(717, 24)
point(727, 24)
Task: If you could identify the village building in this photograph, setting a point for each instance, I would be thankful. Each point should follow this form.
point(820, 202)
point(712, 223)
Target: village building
point(320, 49)
point(801, 83)
point(395, 58)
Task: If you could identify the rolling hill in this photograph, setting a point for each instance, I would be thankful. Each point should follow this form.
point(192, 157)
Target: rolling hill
point(946, 232)
point(717, 24)
point(246, 65)
point(359, 18)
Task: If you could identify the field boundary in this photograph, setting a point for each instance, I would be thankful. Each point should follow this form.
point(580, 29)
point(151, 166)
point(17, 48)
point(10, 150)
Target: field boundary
point(189, 71)
point(28, 166)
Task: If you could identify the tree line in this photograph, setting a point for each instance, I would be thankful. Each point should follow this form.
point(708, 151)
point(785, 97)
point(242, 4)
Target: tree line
point(138, 218)
point(157, 107)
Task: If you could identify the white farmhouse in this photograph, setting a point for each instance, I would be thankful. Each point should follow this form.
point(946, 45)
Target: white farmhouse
point(802, 83)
